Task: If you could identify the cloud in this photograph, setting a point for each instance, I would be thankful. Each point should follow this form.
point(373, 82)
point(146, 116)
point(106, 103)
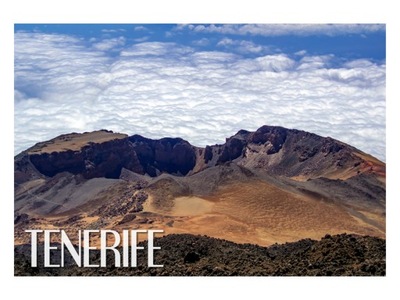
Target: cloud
point(54, 67)
point(155, 49)
point(140, 28)
point(201, 42)
point(142, 39)
point(243, 46)
point(314, 62)
point(110, 44)
point(113, 30)
point(285, 29)
point(301, 53)
point(157, 89)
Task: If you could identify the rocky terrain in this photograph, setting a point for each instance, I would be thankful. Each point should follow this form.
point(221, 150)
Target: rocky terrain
point(189, 255)
point(274, 150)
point(274, 185)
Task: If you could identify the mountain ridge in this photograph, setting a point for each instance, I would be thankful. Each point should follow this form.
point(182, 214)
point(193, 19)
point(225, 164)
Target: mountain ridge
point(260, 149)
point(270, 185)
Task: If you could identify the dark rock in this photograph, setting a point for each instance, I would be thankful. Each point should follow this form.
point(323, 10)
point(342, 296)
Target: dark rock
point(223, 258)
point(171, 155)
point(191, 257)
point(94, 160)
point(302, 154)
point(232, 149)
point(208, 154)
point(69, 221)
point(21, 218)
point(274, 135)
point(127, 218)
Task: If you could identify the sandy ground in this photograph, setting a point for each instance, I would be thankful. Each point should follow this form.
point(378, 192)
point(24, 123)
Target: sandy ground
point(263, 214)
point(244, 212)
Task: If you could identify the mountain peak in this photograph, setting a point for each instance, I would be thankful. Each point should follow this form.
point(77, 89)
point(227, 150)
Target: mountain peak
point(270, 185)
point(273, 150)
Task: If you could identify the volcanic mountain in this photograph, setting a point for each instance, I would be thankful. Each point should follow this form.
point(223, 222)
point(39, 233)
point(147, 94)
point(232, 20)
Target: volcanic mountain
point(270, 186)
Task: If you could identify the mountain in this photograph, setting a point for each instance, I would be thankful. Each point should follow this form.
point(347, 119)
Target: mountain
point(263, 187)
point(274, 150)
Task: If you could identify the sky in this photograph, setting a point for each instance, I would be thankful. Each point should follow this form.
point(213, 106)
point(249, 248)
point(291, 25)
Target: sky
point(201, 82)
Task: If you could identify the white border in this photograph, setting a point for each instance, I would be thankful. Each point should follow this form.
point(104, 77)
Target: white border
point(172, 11)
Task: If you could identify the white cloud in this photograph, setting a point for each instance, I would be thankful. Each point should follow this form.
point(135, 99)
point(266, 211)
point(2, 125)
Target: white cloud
point(110, 44)
point(155, 49)
point(142, 39)
point(314, 62)
point(226, 42)
point(164, 89)
point(140, 28)
point(275, 63)
point(243, 46)
point(55, 67)
point(301, 53)
point(113, 30)
point(285, 29)
point(201, 42)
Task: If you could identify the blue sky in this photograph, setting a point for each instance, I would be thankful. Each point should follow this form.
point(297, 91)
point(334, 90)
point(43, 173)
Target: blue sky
point(201, 82)
point(344, 44)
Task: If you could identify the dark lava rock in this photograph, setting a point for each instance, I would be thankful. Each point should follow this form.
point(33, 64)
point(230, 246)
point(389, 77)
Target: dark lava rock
point(69, 221)
point(208, 154)
point(301, 153)
point(24, 170)
point(102, 159)
point(273, 134)
point(21, 218)
point(232, 149)
point(171, 155)
point(127, 218)
point(95, 160)
point(191, 255)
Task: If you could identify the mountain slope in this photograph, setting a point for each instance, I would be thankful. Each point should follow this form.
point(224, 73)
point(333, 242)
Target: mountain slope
point(271, 185)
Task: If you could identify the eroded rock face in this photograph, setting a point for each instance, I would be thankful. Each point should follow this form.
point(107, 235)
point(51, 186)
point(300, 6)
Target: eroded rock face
point(90, 154)
point(232, 149)
point(105, 158)
point(24, 170)
point(276, 136)
point(170, 155)
point(274, 150)
point(95, 160)
point(287, 152)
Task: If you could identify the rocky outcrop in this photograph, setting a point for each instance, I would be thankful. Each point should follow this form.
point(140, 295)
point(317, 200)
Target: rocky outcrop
point(170, 155)
point(275, 137)
point(24, 170)
point(270, 149)
point(290, 153)
point(95, 160)
point(232, 149)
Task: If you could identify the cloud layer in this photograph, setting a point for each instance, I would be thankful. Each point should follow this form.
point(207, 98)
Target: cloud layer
point(156, 89)
point(285, 29)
